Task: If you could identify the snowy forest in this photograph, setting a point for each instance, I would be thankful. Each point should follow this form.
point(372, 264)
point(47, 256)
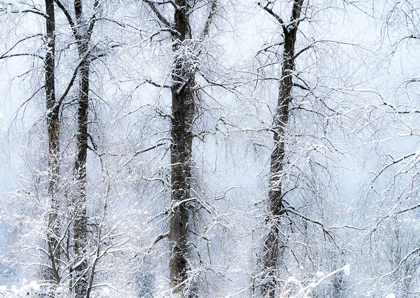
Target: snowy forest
point(210, 148)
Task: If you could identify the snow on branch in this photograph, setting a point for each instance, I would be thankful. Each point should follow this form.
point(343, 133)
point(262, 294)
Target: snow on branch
point(9, 5)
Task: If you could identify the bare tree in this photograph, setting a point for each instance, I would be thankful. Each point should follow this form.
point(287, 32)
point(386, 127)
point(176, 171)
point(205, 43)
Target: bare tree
point(274, 242)
point(82, 29)
point(184, 100)
point(53, 127)
point(53, 251)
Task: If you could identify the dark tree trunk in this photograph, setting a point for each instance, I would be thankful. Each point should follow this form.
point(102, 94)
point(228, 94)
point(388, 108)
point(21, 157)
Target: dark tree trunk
point(274, 243)
point(183, 109)
point(83, 32)
point(183, 105)
point(79, 203)
point(82, 29)
point(53, 128)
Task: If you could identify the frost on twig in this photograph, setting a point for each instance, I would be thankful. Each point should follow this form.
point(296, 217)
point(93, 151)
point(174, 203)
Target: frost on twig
point(304, 291)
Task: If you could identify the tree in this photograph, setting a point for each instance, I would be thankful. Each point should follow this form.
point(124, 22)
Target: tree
point(53, 234)
point(53, 128)
point(82, 28)
point(309, 127)
point(74, 249)
point(273, 242)
point(184, 100)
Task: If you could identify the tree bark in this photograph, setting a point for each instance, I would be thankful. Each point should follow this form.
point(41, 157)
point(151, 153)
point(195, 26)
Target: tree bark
point(53, 129)
point(82, 29)
point(79, 203)
point(183, 109)
point(183, 105)
point(274, 242)
point(80, 229)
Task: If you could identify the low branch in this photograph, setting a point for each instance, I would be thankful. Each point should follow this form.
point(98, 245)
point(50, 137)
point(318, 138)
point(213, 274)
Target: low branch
point(158, 238)
point(20, 41)
point(156, 84)
point(291, 210)
point(35, 11)
point(21, 55)
point(148, 149)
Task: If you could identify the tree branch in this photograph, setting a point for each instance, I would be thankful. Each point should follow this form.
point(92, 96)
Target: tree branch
point(210, 18)
point(157, 13)
point(400, 263)
point(20, 55)
point(68, 16)
point(92, 20)
point(18, 42)
point(276, 16)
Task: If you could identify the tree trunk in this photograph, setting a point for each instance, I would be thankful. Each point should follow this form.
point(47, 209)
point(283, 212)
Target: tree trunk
point(82, 29)
point(53, 128)
point(183, 110)
point(183, 104)
point(79, 203)
point(80, 228)
point(274, 242)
